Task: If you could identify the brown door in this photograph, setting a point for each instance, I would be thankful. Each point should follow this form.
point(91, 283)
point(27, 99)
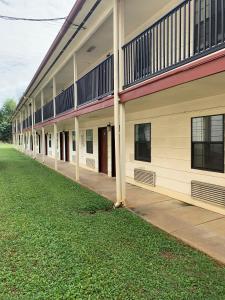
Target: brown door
point(67, 146)
point(113, 152)
point(46, 144)
point(103, 150)
point(61, 146)
point(39, 143)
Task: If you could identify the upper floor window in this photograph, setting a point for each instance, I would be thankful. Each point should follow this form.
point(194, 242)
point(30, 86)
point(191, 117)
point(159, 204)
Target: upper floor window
point(208, 143)
point(143, 142)
point(74, 140)
point(89, 141)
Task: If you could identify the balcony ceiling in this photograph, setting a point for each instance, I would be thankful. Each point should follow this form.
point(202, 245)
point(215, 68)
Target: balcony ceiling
point(101, 43)
point(140, 14)
point(65, 77)
point(206, 87)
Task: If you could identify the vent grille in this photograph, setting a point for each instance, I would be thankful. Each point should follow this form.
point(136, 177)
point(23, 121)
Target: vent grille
point(90, 163)
point(143, 176)
point(208, 192)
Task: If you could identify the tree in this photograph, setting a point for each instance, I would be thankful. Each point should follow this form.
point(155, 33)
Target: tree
point(6, 113)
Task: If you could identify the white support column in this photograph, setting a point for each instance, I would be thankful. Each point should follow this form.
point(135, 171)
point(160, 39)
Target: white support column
point(116, 101)
point(42, 104)
point(121, 105)
point(55, 146)
point(76, 120)
point(54, 96)
point(123, 151)
point(77, 134)
point(43, 144)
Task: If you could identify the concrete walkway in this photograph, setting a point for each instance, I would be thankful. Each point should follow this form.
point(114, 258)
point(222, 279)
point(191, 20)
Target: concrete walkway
point(200, 228)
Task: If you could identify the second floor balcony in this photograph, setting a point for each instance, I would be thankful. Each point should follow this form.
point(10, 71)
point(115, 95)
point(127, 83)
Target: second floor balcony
point(96, 84)
point(38, 116)
point(191, 30)
point(48, 110)
point(65, 100)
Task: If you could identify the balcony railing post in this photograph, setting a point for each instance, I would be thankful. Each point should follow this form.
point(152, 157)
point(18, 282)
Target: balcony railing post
point(75, 77)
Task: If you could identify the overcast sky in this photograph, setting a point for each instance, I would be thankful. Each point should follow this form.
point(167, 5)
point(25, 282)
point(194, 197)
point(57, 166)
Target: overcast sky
point(24, 44)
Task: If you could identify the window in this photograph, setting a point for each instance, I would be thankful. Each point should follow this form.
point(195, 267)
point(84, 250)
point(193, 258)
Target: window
point(74, 140)
point(143, 142)
point(50, 140)
point(89, 141)
point(208, 143)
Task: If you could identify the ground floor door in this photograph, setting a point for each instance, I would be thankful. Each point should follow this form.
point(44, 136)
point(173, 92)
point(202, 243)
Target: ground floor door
point(46, 144)
point(39, 143)
point(67, 146)
point(31, 143)
point(61, 146)
point(103, 150)
point(113, 152)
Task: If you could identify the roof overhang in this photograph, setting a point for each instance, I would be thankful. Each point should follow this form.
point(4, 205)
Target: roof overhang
point(56, 43)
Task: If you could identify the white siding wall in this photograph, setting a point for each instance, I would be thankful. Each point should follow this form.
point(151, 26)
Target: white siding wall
point(171, 144)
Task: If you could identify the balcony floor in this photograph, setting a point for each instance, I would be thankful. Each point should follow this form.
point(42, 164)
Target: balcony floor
point(198, 227)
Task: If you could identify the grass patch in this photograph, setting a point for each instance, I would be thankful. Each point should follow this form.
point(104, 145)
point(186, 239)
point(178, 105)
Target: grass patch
point(59, 240)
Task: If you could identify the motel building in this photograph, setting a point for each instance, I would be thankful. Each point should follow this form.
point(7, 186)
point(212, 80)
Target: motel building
point(134, 90)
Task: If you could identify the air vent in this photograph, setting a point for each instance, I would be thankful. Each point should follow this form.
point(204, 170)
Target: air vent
point(143, 176)
point(90, 163)
point(208, 192)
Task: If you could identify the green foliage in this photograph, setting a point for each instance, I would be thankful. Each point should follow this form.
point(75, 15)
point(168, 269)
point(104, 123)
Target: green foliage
point(6, 113)
point(59, 240)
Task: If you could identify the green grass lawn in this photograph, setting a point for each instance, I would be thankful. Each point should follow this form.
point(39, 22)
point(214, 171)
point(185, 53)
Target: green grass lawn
point(59, 240)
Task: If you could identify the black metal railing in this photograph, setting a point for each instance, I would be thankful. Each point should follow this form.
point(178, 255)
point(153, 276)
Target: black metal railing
point(192, 29)
point(65, 100)
point(25, 123)
point(38, 117)
point(18, 126)
point(48, 111)
point(29, 121)
point(96, 84)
